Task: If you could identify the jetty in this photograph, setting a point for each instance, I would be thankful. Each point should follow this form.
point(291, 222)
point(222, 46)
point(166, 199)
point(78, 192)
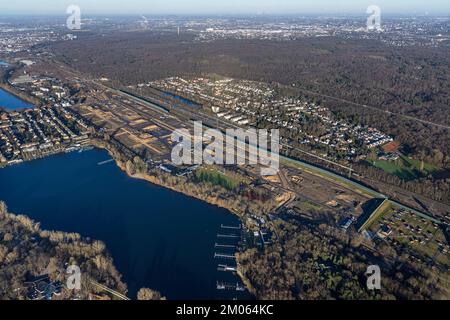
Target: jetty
point(230, 236)
point(105, 162)
point(229, 286)
point(231, 227)
point(226, 268)
point(224, 256)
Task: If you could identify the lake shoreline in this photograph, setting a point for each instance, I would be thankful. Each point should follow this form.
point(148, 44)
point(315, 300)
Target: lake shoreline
point(154, 181)
point(18, 95)
point(31, 231)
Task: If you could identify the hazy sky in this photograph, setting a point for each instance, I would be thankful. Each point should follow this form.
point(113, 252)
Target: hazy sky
point(223, 6)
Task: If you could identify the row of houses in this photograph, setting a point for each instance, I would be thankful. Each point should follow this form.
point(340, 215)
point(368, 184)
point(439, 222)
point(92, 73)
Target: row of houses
point(30, 133)
point(245, 103)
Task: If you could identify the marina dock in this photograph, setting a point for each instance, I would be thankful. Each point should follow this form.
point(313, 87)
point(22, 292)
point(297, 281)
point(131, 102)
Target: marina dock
point(229, 286)
point(226, 268)
point(224, 256)
point(230, 236)
point(231, 227)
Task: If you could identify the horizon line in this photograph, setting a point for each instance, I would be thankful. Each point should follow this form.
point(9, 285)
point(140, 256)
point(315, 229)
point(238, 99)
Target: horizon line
point(249, 14)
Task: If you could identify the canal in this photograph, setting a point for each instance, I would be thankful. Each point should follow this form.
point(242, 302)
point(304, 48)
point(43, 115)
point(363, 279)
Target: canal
point(158, 238)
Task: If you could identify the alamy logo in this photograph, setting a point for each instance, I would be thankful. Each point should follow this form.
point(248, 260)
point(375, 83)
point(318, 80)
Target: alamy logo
point(374, 20)
point(74, 279)
point(74, 20)
point(237, 146)
point(373, 277)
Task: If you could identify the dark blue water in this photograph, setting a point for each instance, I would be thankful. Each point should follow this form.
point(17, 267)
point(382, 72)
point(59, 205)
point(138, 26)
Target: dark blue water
point(185, 101)
point(158, 238)
point(10, 102)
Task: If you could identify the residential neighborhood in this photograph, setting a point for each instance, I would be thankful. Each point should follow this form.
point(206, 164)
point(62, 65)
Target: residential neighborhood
point(253, 104)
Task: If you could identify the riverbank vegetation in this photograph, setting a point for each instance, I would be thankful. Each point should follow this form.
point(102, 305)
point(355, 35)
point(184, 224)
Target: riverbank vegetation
point(236, 201)
point(149, 294)
point(27, 251)
point(207, 186)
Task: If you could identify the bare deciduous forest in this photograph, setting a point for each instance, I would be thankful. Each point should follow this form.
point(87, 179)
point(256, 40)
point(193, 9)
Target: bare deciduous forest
point(319, 262)
point(411, 81)
point(26, 251)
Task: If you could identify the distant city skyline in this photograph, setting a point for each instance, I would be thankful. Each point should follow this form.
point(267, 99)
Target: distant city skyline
point(217, 7)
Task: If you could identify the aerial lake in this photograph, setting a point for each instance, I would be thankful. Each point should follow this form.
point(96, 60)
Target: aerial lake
point(11, 102)
point(158, 238)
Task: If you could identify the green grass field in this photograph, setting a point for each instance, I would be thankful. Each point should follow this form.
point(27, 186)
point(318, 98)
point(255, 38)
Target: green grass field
point(218, 178)
point(405, 168)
